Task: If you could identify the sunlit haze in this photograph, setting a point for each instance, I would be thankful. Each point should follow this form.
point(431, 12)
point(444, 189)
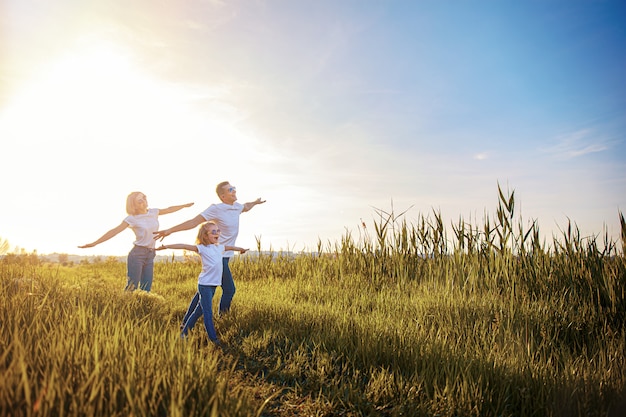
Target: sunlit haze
point(327, 109)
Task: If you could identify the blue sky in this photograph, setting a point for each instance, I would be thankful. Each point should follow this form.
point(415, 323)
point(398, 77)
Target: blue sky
point(327, 109)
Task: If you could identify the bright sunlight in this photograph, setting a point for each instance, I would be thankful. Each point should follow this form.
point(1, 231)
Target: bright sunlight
point(94, 120)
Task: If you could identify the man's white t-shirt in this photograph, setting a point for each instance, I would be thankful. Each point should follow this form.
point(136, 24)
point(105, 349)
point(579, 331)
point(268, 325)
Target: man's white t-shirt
point(211, 264)
point(144, 226)
point(226, 216)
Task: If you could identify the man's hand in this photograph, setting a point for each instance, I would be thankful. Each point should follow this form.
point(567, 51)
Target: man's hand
point(161, 234)
point(250, 204)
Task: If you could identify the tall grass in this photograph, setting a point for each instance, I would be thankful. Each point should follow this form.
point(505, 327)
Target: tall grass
point(74, 344)
point(487, 320)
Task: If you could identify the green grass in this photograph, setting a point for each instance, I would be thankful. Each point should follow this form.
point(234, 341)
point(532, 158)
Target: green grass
point(407, 321)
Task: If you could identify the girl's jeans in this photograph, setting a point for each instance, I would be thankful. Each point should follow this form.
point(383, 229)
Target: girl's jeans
point(140, 268)
point(228, 292)
point(203, 306)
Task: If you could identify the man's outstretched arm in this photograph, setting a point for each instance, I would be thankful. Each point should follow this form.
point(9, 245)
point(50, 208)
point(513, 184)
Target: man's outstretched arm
point(189, 224)
point(248, 206)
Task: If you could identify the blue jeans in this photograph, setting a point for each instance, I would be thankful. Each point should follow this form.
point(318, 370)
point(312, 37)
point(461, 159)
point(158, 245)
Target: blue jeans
point(203, 306)
point(140, 268)
point(228, 292)
point(228, 287)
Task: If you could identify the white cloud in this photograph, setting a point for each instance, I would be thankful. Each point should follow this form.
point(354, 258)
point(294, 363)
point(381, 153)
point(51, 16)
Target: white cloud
point(576, 144)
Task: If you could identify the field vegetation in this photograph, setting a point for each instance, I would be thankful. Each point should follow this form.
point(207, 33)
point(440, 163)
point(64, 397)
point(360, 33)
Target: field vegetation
point(405, 319)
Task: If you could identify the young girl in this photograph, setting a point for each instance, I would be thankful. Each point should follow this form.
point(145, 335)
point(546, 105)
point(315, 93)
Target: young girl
point(209, 279)
point(144, 222)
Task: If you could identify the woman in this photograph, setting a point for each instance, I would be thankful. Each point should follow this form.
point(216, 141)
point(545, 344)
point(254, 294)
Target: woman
point(144, 222)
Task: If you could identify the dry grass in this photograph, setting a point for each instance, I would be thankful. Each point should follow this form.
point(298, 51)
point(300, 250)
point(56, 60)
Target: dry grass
point(489, 321)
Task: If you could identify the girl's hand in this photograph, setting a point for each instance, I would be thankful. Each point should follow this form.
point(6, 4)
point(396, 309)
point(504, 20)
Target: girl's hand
point(160, 247)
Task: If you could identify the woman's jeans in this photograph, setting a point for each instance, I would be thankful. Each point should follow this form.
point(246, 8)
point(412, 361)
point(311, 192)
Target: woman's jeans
point(228, 292)
point(203, 306)
point(140, 268)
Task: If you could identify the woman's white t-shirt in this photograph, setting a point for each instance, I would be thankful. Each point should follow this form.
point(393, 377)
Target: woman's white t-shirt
point(144, 226)
point(212, 266)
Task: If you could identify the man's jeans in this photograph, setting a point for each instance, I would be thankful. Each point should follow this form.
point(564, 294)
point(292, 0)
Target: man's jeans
point(228, 287)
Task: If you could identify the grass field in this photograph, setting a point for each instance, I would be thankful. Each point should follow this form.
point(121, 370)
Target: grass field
point(406, 319)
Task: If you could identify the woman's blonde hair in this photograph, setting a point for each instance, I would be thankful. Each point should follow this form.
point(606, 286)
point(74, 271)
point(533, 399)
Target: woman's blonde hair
point(203, 237)
point(131, 207)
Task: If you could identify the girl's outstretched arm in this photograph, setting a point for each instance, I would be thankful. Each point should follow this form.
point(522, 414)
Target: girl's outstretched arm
point(108, 235)
point(236, 249)
point(172, 209)
point(178, 246)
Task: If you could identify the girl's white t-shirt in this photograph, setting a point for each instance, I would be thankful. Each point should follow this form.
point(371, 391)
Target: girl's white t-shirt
point(144, 226)
point(212, 266)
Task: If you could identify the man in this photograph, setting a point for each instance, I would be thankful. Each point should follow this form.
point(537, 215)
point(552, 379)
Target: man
point(226, 216)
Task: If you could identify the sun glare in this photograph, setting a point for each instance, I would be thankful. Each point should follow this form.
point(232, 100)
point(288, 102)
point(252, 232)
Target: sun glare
point(96, 121)
point(98, 95)
point(79, 90)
